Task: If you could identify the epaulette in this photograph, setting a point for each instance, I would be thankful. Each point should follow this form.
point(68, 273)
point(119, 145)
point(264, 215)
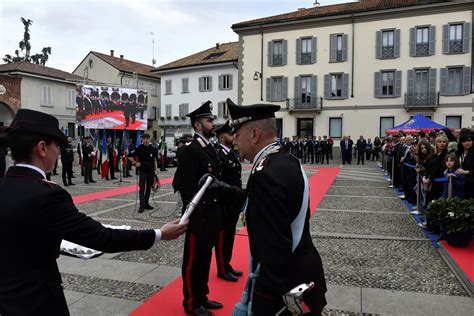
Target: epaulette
point(50, 183)
point(203, 144)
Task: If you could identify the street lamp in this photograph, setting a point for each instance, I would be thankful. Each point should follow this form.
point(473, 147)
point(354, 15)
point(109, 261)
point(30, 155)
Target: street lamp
point(257, 75)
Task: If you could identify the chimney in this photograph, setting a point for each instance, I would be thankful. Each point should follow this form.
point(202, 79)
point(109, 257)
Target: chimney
point(316, 4)
point(217, 45)
point(112, 52)
point(121, 57)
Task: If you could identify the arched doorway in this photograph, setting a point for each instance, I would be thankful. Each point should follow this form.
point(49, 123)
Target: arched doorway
point(6, 114)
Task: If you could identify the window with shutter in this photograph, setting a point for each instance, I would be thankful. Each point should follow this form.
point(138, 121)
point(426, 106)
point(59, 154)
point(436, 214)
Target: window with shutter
point(455, 38)
point(168, 87)
point(306, 50)
point(71, 99)
point(46, 95)
point(388, 44)
point(277, 89)
point(206, 83)
point(388, 83)
point(422, 41)
point(453, 121)
point(225, 82)
point(185, 85)
point(277, 53)
point(168, 110)
point(336, 85)
point(335, 127)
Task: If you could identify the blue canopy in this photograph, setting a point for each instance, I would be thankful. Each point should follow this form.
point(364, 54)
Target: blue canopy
point(418, 122)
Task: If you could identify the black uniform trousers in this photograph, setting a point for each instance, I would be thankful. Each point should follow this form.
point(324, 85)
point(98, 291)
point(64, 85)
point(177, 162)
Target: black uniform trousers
point(324, 154)
point(145, 181)
point(67, 171)
point(3, 166)
point(87, 171)
point(195, 269)
point(226, 238)
point(360, 156)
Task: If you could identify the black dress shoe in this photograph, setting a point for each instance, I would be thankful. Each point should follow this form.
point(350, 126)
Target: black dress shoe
point(228, 277)
point(235, 272)
point(92, 181)
point(148, 207)
point(212, 305)
point(70, 183)
point(66, 185)
point(200, 311)
point(141, 210)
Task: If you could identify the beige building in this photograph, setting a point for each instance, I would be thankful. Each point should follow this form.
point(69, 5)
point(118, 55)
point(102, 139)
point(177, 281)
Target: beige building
point(35, 87)
point(359, 68)
point(115, 71)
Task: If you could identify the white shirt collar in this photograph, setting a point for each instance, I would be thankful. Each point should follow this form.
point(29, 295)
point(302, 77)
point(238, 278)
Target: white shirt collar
point(203, 138)
point(24, 165)
point(225, 148)
point(260, 152)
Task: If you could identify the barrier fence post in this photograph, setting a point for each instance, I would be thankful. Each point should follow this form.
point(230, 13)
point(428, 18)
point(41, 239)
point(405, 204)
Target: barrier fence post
point(392, 184)
point(418, 193)
point(450, 185)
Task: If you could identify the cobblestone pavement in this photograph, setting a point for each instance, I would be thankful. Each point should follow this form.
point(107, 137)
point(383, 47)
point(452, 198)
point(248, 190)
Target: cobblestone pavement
point(361, 229)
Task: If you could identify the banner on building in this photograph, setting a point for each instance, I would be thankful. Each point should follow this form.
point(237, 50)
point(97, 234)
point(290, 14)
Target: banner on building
point(111, 108)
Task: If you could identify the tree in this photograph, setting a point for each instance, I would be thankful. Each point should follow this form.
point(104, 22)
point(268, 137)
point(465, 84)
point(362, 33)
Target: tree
point(24, 54)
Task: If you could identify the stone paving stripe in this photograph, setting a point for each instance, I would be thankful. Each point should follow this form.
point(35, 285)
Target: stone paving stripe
point(358, 211)
point(102, 305)
point(360, 236)
point(362, 196)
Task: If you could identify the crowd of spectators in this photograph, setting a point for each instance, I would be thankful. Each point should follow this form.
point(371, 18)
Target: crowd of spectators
point(424, 165)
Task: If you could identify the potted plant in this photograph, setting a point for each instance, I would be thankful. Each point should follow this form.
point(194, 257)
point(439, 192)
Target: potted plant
point(434, 213)
point(458, 218)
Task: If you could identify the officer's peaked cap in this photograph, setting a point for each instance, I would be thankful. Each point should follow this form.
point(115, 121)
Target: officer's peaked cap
point(205, 110)
point(224, 128)
point(30, 122)
point(241, 114)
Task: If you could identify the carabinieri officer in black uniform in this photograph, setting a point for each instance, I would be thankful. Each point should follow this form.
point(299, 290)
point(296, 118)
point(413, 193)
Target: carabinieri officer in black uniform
point(37, 214)
point(231, 174)
point(206, 222)
point(277, 214)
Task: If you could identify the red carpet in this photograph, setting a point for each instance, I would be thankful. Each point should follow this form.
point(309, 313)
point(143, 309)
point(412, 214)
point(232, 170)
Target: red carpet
point(168, 301)
point(78, 199)
point(464, 258)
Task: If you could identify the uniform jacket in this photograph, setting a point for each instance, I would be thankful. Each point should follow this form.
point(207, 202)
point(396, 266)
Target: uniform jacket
point(231, 167)
point(275, 193)
point(195, 160)
point(35, 216)
point(67, 153)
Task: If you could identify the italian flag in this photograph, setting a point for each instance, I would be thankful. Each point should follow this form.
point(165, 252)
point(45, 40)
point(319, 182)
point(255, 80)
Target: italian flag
point(104, 163)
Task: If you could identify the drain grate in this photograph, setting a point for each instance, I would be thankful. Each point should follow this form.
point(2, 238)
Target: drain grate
point(335, 312)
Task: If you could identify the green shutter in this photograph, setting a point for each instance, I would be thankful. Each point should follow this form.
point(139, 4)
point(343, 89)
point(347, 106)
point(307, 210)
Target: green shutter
point(398, 83)
point(269, 89)
point(327, 87)
point(314, 45)
point(345, 86)
point(333, 48)
point(396, 43)
point(270, 53)
point(345, 40)
point(446, 39)
point(285, 52)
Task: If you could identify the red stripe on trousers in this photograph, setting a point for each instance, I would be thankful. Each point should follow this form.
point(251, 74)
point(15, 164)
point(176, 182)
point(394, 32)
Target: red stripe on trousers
point(221, 251)
point(187, 277)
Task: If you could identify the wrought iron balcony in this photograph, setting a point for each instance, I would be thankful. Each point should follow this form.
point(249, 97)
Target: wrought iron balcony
point(315, 104)
point(305, 58)
point(455, 46)
point(388, 52)
point(413, 100)
point(422, 49)
point(277, 60)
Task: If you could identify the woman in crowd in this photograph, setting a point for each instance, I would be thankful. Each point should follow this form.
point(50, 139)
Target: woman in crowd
point(424, 153)
point(457, 178)
point(466, 159)
point(377, 146)
point(435, 169)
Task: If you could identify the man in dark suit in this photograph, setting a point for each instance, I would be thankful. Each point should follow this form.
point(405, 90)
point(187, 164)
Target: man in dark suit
point(346, 150)
point(207, 220)
point(276, 212)
point(361, 146)
point(30, 282)
point(67, 158)
point(88, 154)
point(231, 174)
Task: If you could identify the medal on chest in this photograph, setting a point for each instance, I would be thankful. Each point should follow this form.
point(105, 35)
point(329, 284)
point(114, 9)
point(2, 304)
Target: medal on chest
point(209, 168)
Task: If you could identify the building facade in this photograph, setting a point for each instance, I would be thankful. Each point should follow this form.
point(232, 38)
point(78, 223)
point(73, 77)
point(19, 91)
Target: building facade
point(112, 71)
point(359, 68)
point(188, 82)
point(40, 88)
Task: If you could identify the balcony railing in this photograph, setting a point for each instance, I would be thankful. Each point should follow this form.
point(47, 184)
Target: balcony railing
point(455, 46)
point(421, 100)
point(306, 58)
point(422, 49)
point(388, 52)
point(316, 104)
point(277, 60)
point(339, 55)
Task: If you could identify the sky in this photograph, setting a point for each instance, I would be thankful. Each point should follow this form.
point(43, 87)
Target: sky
point(74, 28)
